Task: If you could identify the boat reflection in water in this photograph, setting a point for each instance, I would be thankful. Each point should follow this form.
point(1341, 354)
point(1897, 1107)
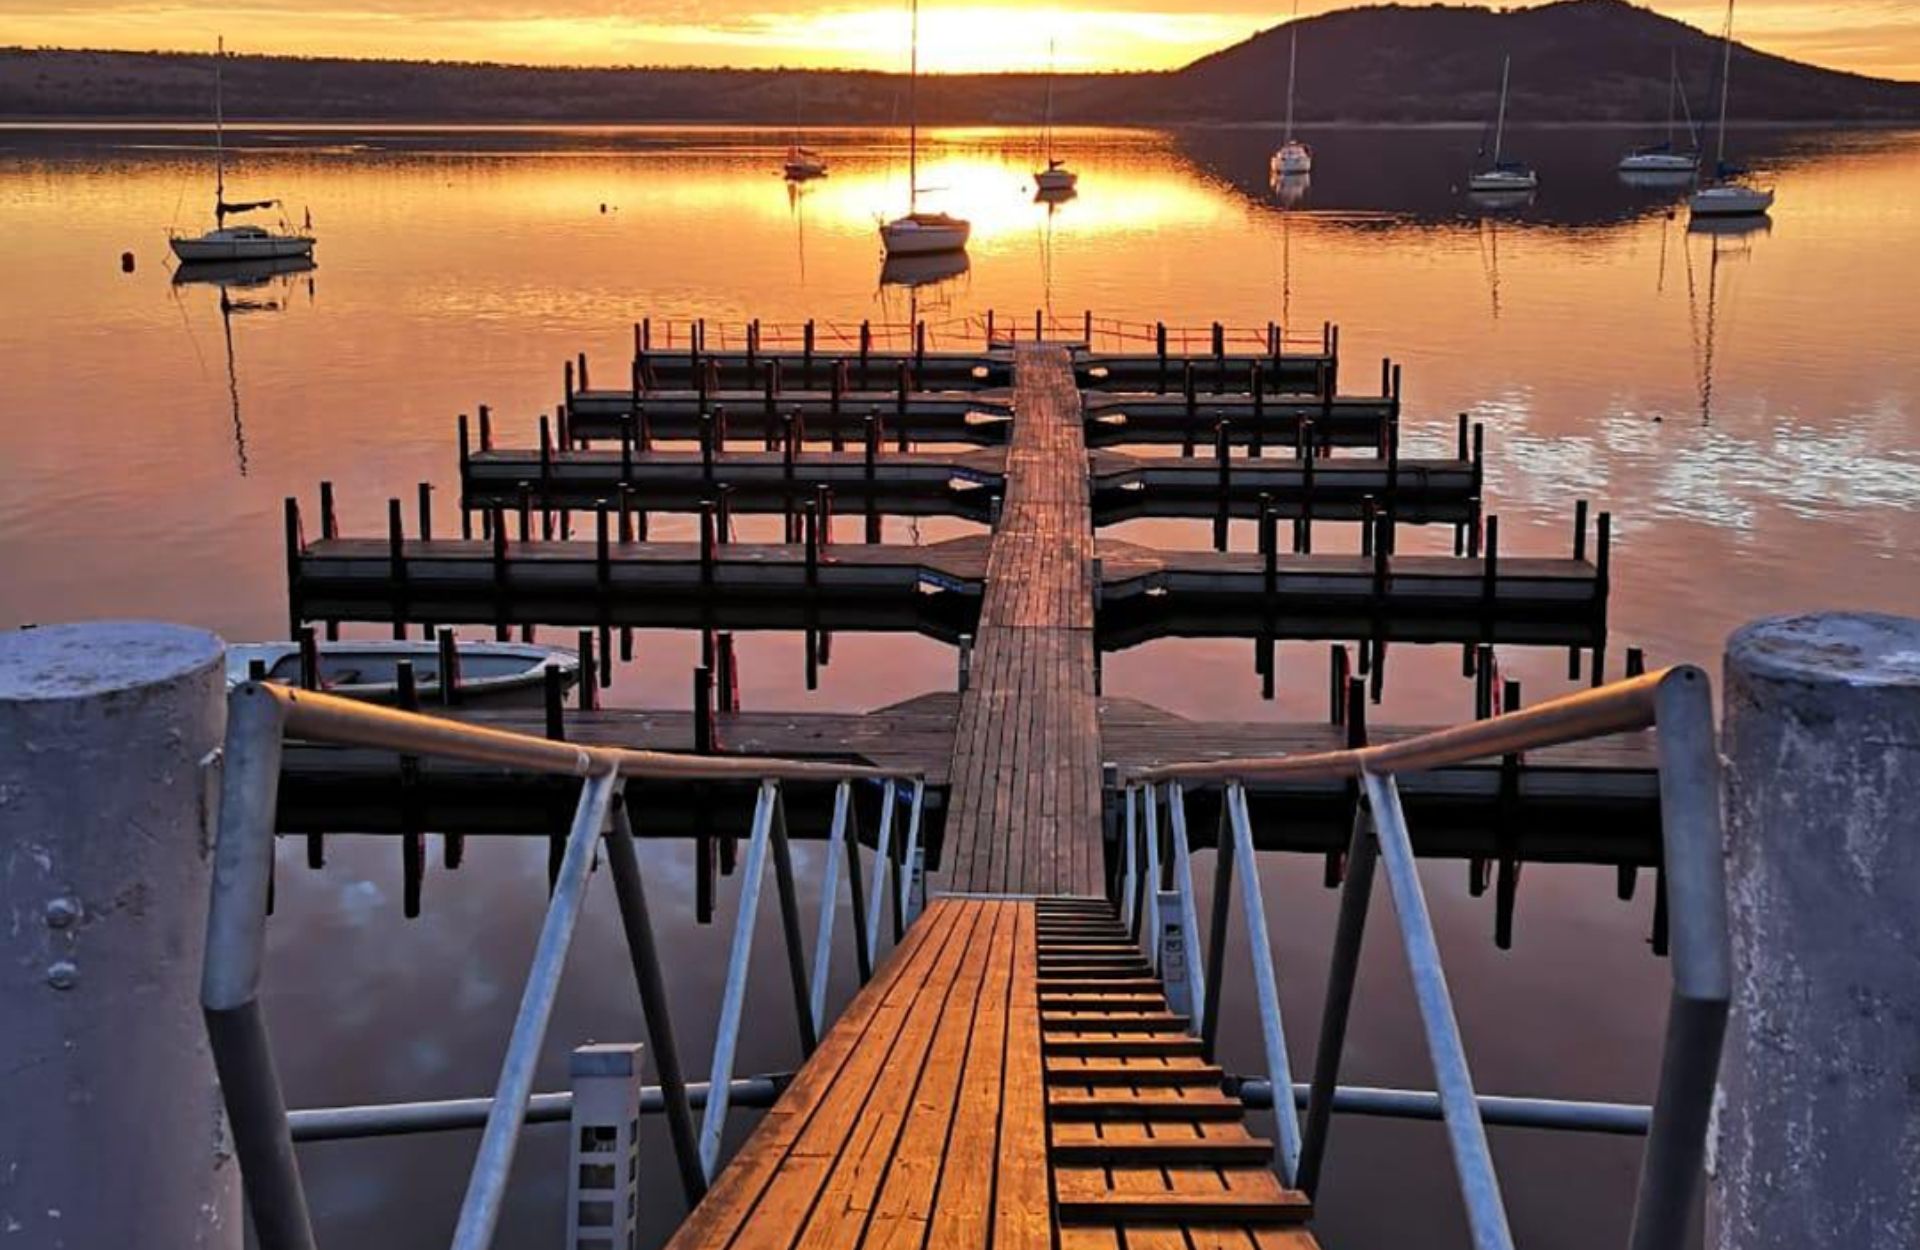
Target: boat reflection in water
point(1054, 197)
point(1501, 201)
point(920, 272)
point(1658, 179)
point(1290, 189)
point(239, 283)
point(1730, 227)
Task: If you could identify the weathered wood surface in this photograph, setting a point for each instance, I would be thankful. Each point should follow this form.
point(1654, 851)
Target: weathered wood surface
point(934, 1114)
point(1024, 813)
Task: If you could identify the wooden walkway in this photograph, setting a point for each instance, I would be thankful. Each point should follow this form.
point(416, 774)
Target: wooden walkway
point(1025, 808)
point(1010, 1079)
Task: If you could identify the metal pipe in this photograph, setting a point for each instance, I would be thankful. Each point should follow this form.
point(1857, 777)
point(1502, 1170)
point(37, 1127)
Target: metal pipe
point(881, 862)
point(486, 1189)
point(1621, 707)
point(316, 717)
point(790, 926)
point(1356, 892)
point(398, 1119)
point(1189, 911)
point(1266, 985)
point(645, 953)
point(230, 975)
point(1619, 1118)
point(734, 995)
point(1467, 1136)
point(1696, 896)
point(1151, 935)
point(829, 887)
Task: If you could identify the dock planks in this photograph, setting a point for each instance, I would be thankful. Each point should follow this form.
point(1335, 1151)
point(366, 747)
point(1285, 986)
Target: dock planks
point(1024, 813)
point(928, 1117)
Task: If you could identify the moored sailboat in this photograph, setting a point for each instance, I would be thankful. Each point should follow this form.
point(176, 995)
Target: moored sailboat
point(802, 163)
point(1293, 157)
point(1728, 195)
point(235, 243)
point(1665, 158)
point(918, 233)
point(1503, 175)
point(1056, 176)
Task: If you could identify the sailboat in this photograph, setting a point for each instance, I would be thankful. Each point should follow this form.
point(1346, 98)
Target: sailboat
point(1503, 175)
point(802, 163)
point(918, 233)
point(224, 242)
point(1056, 176)
point(1727, 196)
point(1663, 158)
point(1294, 157)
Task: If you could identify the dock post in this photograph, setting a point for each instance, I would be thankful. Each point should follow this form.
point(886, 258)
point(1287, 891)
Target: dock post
point(900, 401)
point(397, 566)
point(110, 733)
point(603, 1182)
point(1256, 382)
point(866, 350)
point(546, 478)
point(1160, 350)
point(989, 329)
point(806, 356)
point(466, 454)
point(920, 354)
point(1814, 1139)
point(966, 662)
point(1603, 591)
point(1223, 463)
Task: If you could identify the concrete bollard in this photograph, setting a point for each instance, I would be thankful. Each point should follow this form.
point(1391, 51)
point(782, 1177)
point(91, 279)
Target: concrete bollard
point(1818, 1134)
point(111, 1130)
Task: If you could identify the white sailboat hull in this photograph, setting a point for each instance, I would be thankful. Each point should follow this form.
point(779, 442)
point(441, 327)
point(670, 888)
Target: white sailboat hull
point(227, 245)
point(1498, 180)
point(1292, 159)
point(1658, 163)
point(924, 235)
point(1730, 200)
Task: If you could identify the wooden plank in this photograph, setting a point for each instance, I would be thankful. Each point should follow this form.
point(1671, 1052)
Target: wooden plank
point(962, 1213)
point(1022, 1197)
point(1178, 1105)
point(1172, 1152)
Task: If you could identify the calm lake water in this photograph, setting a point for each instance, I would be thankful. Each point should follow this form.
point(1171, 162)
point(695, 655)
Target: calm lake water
point(1746, 405)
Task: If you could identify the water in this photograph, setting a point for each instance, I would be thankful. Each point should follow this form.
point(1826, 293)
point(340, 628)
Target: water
point(1744, 405)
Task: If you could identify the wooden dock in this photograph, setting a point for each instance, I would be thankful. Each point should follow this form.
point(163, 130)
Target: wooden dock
point(988, 1090)
point(1025, 808)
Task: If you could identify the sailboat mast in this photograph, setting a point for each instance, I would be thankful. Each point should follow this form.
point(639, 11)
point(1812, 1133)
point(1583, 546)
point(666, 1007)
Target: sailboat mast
point(1500, 125)
point(913, 115)
point(1673, 88)
point(1293, 58)
point(1726, 68)
point(1049, 130)
point(219, 134)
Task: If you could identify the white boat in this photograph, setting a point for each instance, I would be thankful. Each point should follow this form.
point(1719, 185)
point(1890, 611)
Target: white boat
point(1503, 176)
point(918, 233)
point(1056, 176)
point(232, 243)
point(1293, 156)
point(489, 672)
point(802, 164)
point(1665, 158)
point(1728, 195)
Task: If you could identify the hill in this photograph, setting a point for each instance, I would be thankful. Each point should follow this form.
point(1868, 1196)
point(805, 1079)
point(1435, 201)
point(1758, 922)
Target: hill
point(1574, 61)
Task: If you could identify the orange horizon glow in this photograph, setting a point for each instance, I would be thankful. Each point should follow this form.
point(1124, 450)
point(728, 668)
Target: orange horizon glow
point(1878, 37)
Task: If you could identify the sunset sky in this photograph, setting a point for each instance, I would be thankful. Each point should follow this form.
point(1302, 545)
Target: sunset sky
point(1869, 36)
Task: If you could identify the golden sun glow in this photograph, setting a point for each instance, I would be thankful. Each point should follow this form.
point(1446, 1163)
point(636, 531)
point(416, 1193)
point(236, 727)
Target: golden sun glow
point(975, 35)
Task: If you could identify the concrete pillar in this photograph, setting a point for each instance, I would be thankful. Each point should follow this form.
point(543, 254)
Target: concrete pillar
point(1818, 1134)
point(603, 1184)
point(111, 1131)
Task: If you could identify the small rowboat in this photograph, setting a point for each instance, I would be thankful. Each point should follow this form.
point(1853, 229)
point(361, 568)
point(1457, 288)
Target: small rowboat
point(489, 672)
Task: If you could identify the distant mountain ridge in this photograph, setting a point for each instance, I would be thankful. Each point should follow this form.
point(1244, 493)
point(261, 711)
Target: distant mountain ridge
point(1574, 61)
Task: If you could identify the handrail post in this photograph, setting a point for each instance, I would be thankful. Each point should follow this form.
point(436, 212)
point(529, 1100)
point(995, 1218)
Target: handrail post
point(654, 1003)
point(1132, 861)
point(882, 848)
point(1466, 1133)
point(734, 993)
point(1217, 932)
point(1356, 892)
point(829, 907)
point(790, 924)
point(1701, 961)
point(1189, 912)
point(486, 1189)
point(1266, 985)
point(1150, 890)
point(913, 878)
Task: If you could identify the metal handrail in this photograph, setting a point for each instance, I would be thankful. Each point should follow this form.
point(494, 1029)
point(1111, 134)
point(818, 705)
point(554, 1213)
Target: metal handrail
point(1678, 702)
point(262, 716)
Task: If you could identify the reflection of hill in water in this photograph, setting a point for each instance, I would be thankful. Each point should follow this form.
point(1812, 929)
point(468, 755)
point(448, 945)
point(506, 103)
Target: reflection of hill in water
point(1421, 174)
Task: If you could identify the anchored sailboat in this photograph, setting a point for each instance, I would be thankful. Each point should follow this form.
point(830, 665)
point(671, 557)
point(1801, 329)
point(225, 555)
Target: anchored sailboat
point(224, 242)
point(802, 163)
point(1294, 157)
point(1503, 175)
point(1056, 176)
point(1664, 158)
point(918, 233)
point(1728, 196)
